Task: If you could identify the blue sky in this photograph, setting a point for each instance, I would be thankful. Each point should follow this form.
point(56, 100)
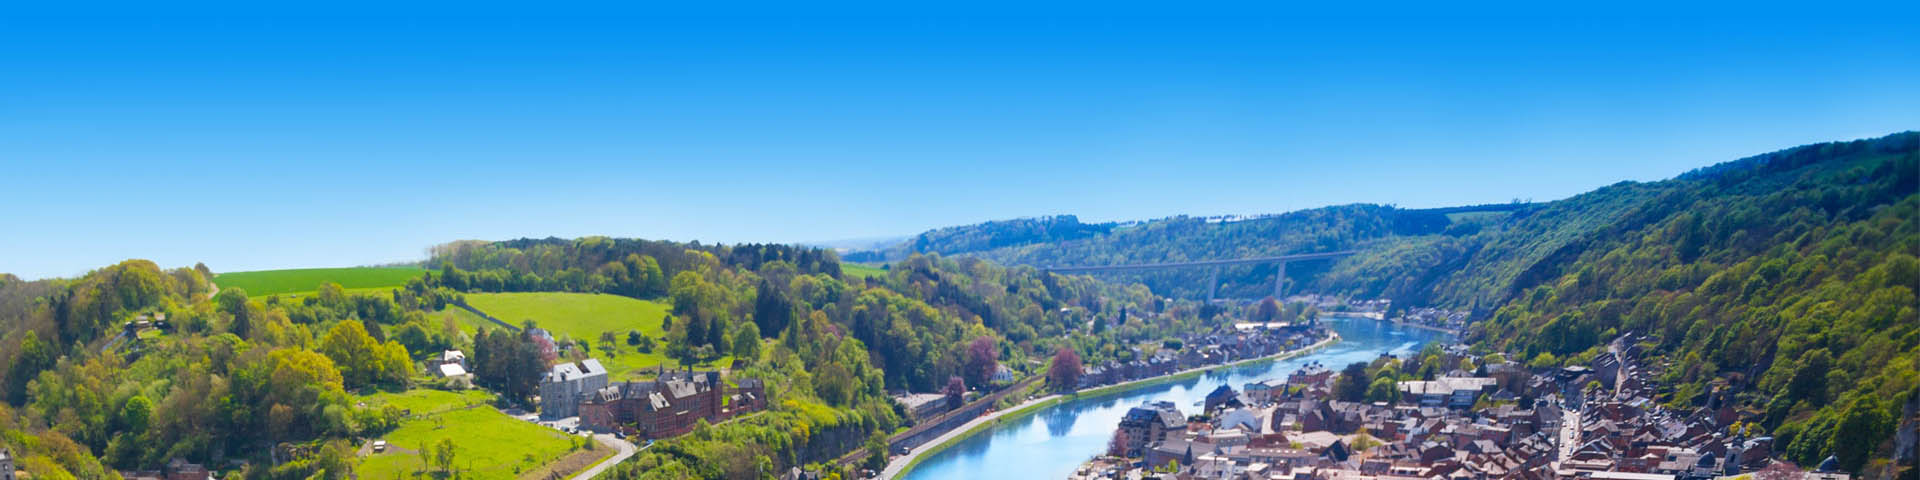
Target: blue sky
point(250, 137)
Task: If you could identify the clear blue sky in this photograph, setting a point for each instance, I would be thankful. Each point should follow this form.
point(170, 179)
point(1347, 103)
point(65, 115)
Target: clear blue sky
point(253, 137)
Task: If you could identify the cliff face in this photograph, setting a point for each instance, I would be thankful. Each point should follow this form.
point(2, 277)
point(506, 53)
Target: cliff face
point(828, 444)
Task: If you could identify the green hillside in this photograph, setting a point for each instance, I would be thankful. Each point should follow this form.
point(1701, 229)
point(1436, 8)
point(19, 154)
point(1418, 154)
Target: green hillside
point(1786, 279)
point(487, 444)
point(584, 317)
point(856, 271)
point(274, 282)
point(577, 315)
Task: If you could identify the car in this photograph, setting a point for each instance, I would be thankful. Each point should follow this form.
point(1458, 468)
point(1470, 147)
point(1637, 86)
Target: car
point(379, 446)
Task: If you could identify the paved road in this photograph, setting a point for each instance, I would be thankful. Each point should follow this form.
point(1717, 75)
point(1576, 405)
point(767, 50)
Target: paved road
point(900, 462)
point(626, 450)
point(1569, 436)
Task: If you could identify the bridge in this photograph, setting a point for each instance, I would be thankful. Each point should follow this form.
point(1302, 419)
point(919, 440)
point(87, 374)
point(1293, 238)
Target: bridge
point(1213, 275)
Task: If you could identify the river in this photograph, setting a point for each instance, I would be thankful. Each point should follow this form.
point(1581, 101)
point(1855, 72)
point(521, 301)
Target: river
point(1053, 442)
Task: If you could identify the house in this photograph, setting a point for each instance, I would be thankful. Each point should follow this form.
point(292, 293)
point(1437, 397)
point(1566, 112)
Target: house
point(1002, 374)
point(673, 403)
point(453, 357)
point(6, 464)
point(179, 469)
point(450, 370)
point(1453, 392)
point(561, 390)
point(1221, 397)
point(1146, 424)
point(1264, 392)
point(922, 406)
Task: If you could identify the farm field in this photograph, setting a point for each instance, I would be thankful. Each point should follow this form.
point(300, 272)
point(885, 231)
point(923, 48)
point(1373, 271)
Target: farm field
point(467, 321)
point(290, 296)
point(584, 316)
point(488, 445)
point(274, 282)
point(854, 272)
point(581, 316)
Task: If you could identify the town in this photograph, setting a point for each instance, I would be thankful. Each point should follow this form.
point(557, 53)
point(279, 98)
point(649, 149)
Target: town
point(1477, 417)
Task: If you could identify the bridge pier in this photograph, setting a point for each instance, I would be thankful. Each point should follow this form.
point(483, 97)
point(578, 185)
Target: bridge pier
point(1213, 283)
point(1213, 275)
point(1279, 280)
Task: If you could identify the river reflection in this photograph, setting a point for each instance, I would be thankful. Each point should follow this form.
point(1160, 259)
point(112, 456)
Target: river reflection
point(1050, 444)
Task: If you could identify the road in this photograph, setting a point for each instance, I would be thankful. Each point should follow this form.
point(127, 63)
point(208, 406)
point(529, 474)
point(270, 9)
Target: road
point(626, 451)
point(900, 462)
point(1569, 436)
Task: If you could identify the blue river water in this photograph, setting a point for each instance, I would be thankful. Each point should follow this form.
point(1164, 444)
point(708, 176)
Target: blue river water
point(1052, 443)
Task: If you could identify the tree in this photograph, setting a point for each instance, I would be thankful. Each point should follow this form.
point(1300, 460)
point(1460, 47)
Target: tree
point(233, 302)
point(1383, 389)
point(135, 414)
point(834, 384)
point(1267, 311)
point(443, 452)
point(35, 356)
point(877, 450)
point(633, 337)
point(983, 358)
point(1117, 446)
point(1353, 383)
point(1064, 374)
point(956, 391)
point(362, 359)
point(1810, 381)
point(746, 342)
point(607, 340)
point(1861, 429)
point(771, 309)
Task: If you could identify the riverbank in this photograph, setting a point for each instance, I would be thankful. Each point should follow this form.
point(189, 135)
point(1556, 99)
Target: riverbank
point(899, 467)
point(1448, 331)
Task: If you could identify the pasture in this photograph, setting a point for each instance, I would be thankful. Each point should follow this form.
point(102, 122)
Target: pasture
point(488, 444)
point(583, 317)
point(276, 282)
point(857, 272)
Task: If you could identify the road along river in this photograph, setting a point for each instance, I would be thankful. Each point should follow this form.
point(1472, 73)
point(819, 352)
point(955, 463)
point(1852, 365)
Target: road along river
point(1052, 442)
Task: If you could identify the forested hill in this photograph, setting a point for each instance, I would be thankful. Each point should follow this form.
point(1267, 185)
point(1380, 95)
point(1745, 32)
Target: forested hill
point(1470, 257)
point(1786, 279)
point(1064, 241)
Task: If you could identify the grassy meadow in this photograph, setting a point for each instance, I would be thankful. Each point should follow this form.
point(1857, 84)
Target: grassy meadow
point(854, 272)
point(584, 316)
point(293, 281)
point(488, 445)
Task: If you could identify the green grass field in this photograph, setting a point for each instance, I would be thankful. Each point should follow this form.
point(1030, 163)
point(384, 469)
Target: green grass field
point(274, 282)
point(583, 316)
point(578, 315)
point(424, 401)
point(467, 320)
point(294, 296)
point(858, 271)
point(488, 445)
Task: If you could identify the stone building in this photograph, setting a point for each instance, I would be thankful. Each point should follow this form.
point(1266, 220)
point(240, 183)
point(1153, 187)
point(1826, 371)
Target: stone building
point(671, 404)
point(561, 390)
